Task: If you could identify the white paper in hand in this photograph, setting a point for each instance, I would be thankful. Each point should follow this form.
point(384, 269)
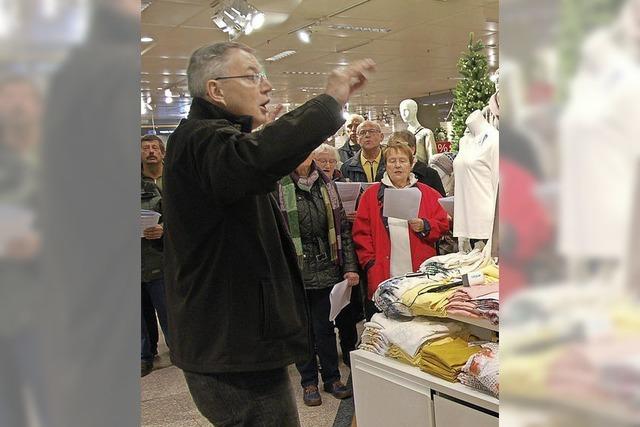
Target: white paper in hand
point(401, 204)
point(349, 192)
point(340, 297)
point(447, 204)
point(148, 219)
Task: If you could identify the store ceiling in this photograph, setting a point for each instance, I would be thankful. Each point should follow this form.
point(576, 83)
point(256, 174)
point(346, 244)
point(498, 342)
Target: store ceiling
point(416, 57)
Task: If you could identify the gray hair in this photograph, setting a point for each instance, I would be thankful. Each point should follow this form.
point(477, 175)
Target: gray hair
point(370, 122)
point(207, 63)
point(326, 148)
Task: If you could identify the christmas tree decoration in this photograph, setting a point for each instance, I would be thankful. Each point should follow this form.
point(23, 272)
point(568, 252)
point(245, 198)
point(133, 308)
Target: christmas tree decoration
point(474, 89)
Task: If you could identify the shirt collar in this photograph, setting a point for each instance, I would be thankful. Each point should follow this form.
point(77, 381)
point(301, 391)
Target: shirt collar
point(364, 160)
point(203, 109)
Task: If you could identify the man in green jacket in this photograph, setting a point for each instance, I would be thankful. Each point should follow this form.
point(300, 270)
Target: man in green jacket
point(152, 290)
point(235, 296)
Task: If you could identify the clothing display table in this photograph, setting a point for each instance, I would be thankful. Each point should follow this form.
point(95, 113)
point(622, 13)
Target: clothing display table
point(388, 392)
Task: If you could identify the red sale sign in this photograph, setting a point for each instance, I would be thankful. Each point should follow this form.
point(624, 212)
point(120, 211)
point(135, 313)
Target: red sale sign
point(443, 146)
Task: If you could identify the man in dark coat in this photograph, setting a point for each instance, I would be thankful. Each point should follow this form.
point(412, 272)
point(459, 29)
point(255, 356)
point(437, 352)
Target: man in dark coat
point(351, 146)
point(235, 297)
point(367, 164)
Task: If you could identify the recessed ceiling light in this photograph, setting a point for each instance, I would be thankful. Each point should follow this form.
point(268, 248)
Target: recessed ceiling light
point(281, 55)
point(146, 39)
point(340, 27)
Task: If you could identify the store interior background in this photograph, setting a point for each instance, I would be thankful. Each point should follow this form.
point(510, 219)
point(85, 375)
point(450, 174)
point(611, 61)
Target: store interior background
point(416, 44)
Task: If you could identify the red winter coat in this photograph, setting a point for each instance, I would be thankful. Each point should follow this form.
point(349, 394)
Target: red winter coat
point(371, 233)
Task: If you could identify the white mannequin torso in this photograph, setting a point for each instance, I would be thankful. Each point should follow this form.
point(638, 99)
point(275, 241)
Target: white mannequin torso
point(425, 140)
point(476, 173)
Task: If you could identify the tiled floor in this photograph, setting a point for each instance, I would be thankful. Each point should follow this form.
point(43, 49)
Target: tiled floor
point(166, 402)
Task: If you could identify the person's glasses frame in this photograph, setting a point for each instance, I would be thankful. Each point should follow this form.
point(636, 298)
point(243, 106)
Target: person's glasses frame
point(326, 161)
point(255, 78)
point(365, 132)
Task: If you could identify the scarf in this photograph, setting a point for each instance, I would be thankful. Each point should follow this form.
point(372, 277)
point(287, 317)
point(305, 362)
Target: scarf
point(289, 207)
point(387, 181)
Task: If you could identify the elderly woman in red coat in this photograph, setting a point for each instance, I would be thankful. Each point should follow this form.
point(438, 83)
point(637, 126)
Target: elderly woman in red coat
point(388, 247)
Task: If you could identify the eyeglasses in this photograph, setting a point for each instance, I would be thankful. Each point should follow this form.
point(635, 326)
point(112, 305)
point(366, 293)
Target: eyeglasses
point(365, 132)
point(327, 162)
point(256, 78)
point(401, 161)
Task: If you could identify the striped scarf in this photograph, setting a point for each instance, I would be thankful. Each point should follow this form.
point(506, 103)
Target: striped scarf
point(289, 207)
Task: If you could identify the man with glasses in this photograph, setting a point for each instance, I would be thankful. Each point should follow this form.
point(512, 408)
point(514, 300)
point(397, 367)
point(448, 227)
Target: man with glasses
point(367, 165)
point(350, 147)
point(235, 296)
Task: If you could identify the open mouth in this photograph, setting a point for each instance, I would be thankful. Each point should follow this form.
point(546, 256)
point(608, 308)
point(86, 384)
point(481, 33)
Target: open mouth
point(263, 106)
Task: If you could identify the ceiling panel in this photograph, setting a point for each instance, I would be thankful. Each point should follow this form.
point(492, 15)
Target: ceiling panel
point(164, 12)
point(416, 58)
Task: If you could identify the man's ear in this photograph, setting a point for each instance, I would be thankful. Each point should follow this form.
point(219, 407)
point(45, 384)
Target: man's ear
point(215, 92)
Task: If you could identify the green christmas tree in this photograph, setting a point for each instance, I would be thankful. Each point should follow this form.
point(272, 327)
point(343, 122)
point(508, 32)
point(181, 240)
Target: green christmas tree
point(474, 90)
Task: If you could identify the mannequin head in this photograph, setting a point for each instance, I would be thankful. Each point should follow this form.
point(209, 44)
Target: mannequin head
point(408, 110)
point(476, 122)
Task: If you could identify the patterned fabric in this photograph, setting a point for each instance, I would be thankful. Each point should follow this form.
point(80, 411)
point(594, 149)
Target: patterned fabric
point(481, 371)
point(289, 207)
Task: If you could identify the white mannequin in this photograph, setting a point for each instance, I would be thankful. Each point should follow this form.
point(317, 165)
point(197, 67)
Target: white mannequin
point(476, 172)
point(425, 141)
point(492, 111)
point(476, 123)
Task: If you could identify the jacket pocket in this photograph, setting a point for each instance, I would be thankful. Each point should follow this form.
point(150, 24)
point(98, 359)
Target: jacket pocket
point(280, 310)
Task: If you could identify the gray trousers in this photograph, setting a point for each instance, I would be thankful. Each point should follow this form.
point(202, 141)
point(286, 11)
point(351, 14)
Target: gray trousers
point(262, 398)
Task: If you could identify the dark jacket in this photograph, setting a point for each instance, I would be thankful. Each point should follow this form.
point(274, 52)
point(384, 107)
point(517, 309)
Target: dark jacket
point(235, 296)
point(352, 169)
point(318, 270)
point(347, 150)
point(151, 250)
point(428, 176)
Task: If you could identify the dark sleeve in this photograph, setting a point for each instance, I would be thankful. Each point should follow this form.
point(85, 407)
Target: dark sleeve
point(232, 164)
point(434, 181)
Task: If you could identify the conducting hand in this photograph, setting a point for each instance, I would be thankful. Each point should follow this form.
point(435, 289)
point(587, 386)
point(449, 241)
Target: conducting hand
point(343, 82)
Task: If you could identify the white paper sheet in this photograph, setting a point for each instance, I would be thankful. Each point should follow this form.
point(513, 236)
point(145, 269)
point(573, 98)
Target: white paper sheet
point(349, 192)
point(402, 204)
point(340, 297)
point(447, 204)
point(148, 219)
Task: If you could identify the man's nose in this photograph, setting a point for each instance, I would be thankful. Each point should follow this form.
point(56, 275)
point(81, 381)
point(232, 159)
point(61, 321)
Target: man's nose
point(266, 86)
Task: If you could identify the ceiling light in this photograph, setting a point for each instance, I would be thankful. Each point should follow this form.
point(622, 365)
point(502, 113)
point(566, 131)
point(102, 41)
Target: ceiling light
point(341, 27)
point(304, 36)
point(236, 17)
point(167, 93)
point(258, 20)
point(281, 55)
point(305, 73)
point(168, 100)
point(146, 39)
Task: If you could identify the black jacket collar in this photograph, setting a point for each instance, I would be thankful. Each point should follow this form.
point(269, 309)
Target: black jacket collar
point(203, 109)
